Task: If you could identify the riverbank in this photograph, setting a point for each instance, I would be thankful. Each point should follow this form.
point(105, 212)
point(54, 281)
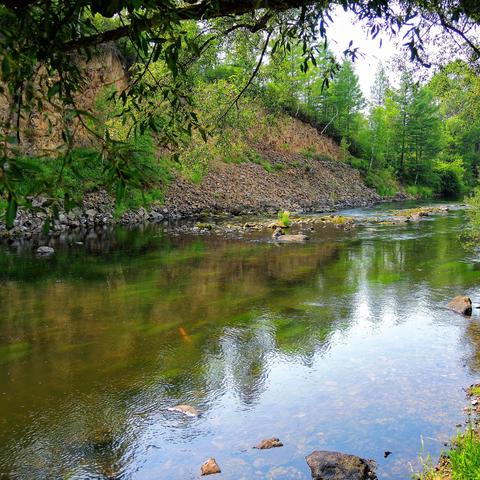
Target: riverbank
point(462, 460)
point(294, 183)
point(257, 228)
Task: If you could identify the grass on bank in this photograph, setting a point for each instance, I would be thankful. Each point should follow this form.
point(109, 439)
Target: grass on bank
point(462, 462)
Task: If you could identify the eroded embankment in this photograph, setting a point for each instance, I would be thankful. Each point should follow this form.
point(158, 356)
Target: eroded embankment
point(282, 163)
point(300, 184)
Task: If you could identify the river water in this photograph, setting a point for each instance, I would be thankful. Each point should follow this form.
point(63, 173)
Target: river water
point(338, 344)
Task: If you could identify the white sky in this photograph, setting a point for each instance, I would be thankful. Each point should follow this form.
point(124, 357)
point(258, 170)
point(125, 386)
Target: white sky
point(345, 29)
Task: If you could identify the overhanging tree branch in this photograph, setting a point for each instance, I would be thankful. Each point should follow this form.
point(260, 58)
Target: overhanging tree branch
point(205, 10)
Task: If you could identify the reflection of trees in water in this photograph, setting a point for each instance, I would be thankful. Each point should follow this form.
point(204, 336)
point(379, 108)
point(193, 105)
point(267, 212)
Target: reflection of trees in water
point(181, 324)
point(122, 328)
point(472, 338)
point(244, 355)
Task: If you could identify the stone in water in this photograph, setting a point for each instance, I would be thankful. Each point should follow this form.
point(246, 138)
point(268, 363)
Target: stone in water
point(461, 304)
point(210, 467)
point(269, 443)
point(185, 409)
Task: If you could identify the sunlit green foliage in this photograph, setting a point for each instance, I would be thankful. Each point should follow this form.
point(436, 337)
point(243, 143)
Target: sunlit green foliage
point(462, 461)
point(284, 218)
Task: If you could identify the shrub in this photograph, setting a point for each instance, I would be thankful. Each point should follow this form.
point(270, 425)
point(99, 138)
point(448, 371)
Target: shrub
point(471, 233)
point(420, 191)
point(358, 163)
point(322, 157)
point(284, 218)
point(450, 178)
point(383, 181)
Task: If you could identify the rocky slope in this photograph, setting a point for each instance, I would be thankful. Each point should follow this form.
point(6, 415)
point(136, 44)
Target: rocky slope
point(299, 170)
point(299, 184)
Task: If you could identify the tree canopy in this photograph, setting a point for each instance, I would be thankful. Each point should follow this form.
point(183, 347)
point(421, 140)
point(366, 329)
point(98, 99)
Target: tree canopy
point(54, 34)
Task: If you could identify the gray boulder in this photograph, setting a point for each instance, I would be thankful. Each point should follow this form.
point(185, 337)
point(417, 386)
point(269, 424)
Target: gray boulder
point(340, 466)
point(45, 251)
point(156, 216)
point(91, 213)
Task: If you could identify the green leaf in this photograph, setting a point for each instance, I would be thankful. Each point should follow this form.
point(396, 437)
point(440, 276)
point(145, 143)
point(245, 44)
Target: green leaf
point(46, 226)
point(119, 193)
point(53, 90)
point(11, 212)
point(5, 67)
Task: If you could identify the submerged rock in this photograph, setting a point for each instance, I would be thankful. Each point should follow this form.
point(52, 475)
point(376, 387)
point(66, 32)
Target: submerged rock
point(340, 466)
point(210, 467)
point(279, 236)
point(269, 443)
point(338, 220)
point(415, 217)
point(461, 304)
point(185, 409)
point(45, 251)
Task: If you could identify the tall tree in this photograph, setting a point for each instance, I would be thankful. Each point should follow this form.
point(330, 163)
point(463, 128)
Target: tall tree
point(380, 87)
point(403, 99)
point(423, 134)
point(347, 98)
point(377, 117)
point(457, 88)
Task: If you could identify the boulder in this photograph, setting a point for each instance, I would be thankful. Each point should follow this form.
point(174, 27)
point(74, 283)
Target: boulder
point(91, 213)
point(45, 251)
point(279, 236)
point(461, 304)
point(156, 216)
point(340, 466)
point(269, 443)
point(210, 467)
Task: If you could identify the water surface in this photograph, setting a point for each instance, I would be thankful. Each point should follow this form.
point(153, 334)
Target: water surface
point(338, 344)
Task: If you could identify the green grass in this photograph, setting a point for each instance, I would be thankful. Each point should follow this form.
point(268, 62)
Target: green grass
point(465, 457)
point(265, 164)
point(312, 154)
point(383, 181)
point(462, 462)
point(474, 390)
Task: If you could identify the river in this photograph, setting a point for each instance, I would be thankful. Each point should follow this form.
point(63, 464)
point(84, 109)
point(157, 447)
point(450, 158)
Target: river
point(341, 343)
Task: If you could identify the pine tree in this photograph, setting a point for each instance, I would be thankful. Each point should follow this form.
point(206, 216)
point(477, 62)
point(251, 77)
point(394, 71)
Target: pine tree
point(399, 128)
point(347, 98)
point(423, 134)
point(380, 87)
point(377, 118)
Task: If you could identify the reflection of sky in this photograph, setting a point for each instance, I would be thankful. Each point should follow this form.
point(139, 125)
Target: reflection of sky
point(384, 384)
point(354, 355)
point(376, 388)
